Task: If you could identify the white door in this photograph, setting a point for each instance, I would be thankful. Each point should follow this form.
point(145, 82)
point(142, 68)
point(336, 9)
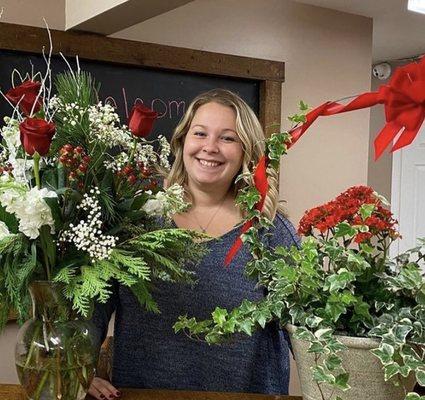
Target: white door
point(408, 193)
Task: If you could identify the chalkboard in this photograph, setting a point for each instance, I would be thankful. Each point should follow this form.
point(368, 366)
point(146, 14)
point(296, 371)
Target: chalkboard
point(167, 92)
point(165, 78)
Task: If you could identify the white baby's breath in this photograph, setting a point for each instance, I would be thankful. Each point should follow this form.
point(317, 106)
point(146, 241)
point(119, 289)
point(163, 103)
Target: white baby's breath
point(87, 234)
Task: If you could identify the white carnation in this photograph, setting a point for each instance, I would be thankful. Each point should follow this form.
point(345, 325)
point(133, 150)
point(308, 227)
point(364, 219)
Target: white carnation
point(166, 203)
point(22, 169)
point(11, 135)
point(30, 209)
point(154, 207)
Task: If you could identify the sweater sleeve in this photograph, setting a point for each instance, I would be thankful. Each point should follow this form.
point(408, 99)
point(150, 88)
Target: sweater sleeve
point(283, 233)
point(102, 314)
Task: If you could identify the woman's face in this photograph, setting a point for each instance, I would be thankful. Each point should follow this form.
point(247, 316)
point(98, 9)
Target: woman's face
point(212, 151)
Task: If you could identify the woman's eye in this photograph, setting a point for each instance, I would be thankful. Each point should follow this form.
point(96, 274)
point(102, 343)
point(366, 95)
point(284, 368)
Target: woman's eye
point(229, 138)
point(200, 134)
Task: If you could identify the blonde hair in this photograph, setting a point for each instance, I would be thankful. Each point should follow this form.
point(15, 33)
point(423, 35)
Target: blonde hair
point(250, 133)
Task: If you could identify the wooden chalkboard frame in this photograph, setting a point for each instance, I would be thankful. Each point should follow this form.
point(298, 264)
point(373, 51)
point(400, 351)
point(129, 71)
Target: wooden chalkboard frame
point(89, 46)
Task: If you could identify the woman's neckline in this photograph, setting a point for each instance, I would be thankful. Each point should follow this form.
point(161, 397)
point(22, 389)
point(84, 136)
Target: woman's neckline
point(232, 230)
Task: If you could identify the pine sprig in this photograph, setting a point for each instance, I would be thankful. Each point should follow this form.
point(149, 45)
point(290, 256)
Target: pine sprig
point(18, 264)
point(80, 89)
point(162, 249)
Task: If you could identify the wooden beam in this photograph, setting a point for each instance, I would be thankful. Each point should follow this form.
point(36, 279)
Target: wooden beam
point(108, 17)
point(270, 110)
point(95, 47)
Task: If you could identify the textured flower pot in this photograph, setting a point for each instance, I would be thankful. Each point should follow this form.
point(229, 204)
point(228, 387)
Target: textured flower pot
point(365, 369)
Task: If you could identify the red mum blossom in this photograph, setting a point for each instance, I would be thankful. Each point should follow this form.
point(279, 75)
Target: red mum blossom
point(346, 207)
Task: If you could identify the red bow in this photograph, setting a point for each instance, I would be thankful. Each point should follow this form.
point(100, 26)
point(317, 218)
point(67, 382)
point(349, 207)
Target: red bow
point(404, 101)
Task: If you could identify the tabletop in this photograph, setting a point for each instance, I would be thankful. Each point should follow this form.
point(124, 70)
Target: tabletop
point(15, 392)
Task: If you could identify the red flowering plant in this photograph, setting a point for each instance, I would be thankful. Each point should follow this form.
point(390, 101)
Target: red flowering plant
point(340, 281)
point(80, 206)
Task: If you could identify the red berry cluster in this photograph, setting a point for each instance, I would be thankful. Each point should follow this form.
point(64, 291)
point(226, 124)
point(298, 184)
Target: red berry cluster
point(346, 207)
point(136, 173)
point(6, 168)
point(75, 160)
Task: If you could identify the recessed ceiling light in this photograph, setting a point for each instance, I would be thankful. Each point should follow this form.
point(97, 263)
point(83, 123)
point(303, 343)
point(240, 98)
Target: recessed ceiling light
point(416, 6)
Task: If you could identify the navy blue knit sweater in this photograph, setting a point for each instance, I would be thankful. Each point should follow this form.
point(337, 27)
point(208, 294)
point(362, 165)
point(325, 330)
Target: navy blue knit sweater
point(147, 353)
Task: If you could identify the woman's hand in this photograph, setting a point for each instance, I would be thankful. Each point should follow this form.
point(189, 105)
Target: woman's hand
point(102, 390)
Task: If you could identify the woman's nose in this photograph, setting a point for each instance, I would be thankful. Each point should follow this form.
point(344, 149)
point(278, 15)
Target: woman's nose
point(211, 146)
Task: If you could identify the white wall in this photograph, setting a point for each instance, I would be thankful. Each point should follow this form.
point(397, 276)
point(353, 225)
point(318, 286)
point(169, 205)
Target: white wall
point(32, 12)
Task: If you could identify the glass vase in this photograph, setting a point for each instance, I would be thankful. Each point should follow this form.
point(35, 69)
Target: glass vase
point(55, 352)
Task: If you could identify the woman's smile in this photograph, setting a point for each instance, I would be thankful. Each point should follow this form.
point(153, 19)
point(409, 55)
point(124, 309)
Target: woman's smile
point(209, 164)
point(212, 151)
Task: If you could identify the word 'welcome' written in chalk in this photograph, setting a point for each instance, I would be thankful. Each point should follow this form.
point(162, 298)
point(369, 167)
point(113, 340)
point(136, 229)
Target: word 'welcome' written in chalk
point(165, 108)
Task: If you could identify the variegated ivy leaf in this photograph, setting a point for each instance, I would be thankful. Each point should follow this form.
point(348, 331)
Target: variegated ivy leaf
point(414, 396)
point(323, 334)
point(304, 334)
point(316, 347)
point(321, 375)
point(341, 381)
point(401, 332)
point(339, 281)
point(344, 229)
point(390, 370)
point(420, 376)
point(332, 362)
point(219, 316)
point(385, 353)
point(334, 345)
point(313, 321)
point(366, 210)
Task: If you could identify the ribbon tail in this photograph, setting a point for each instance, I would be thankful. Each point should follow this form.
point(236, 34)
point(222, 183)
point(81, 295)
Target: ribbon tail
point(296, 133)
point(385, 137)
point(405, 139)
point(261, 182)
point(262, 185)
point(237, 245)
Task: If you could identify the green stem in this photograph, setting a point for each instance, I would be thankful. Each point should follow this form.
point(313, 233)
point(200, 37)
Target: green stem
point(46, 263)
point(32, 347)
point(36, 158)
point(40, 386)
point(133, 150)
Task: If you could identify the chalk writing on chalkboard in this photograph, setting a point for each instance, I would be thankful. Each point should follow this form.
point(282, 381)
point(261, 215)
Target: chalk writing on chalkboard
point(167, 92)
point(174, 108)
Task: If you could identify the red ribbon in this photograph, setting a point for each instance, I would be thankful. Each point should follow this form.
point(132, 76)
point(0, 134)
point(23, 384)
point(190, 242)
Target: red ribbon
point(262, 185)
point(404, 101)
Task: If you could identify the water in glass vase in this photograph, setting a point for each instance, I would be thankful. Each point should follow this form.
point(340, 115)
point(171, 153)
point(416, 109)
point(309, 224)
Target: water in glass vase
point(70, 383)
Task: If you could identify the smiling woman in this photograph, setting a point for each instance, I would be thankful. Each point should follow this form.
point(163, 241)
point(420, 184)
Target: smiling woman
point(218, 138)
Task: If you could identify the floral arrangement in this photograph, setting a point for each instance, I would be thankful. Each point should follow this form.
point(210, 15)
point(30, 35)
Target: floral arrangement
point(339, 281)
point(80, 203)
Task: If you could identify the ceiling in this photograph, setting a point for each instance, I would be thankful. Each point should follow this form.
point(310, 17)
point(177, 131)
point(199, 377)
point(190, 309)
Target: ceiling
point(397, 32)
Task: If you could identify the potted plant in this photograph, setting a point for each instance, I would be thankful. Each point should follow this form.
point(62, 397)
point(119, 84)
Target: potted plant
point(79, 202)
point(356, 318)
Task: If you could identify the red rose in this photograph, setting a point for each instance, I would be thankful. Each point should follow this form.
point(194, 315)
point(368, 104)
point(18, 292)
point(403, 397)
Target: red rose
point(36, 135)
point(25, 95)
point(141, 120)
